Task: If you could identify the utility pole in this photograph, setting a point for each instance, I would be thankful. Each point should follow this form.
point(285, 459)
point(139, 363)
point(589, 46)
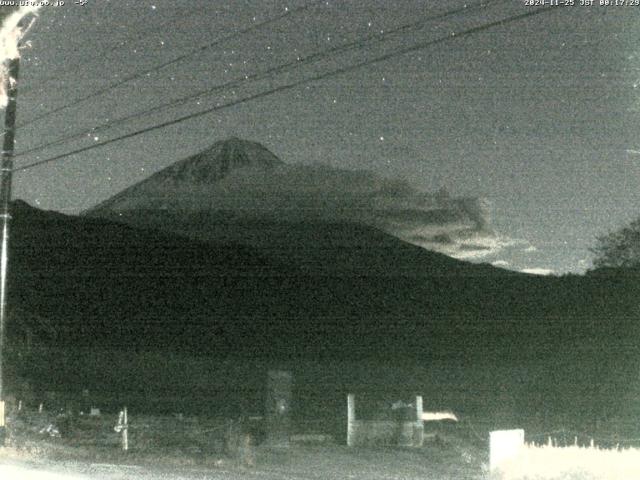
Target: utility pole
point(6, 170)
point(14, 27)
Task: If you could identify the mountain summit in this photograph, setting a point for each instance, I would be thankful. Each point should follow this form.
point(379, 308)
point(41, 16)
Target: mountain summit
point(213, 164)
point(189, 179)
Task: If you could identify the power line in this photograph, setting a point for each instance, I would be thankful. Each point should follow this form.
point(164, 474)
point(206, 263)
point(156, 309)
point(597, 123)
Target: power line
point(171, 62)
point(131, 36)
point(289, 86)
point(357, 44)
point(322, 76)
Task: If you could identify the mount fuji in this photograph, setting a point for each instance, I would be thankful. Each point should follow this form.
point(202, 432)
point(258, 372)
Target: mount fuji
point(239, 191)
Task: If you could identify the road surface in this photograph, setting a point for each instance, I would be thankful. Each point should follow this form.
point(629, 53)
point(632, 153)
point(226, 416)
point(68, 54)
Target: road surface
point(13, 470)
point(297, 463)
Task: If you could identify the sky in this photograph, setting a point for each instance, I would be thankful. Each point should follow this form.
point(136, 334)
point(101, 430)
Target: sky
point(538, 117)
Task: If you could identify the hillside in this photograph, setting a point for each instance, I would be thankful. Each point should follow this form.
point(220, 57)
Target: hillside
point(210, 271)
point(113, 305)
point(238, 190)
point(103, 283)
point(107, 283)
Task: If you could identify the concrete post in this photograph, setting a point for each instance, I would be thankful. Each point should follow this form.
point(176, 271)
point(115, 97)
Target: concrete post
point(504, 445)
point(351, 419)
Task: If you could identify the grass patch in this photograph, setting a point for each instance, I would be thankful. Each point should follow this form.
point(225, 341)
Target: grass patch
point(171, 442)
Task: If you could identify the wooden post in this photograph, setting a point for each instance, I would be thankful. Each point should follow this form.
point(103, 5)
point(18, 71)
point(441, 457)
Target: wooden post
point(418, 430)
point(351, 418)
point(125, 431)
point(123, 427)
point(3, 429)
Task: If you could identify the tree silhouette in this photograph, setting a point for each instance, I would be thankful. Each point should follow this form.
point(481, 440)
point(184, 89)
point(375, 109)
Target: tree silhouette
point(619, 248)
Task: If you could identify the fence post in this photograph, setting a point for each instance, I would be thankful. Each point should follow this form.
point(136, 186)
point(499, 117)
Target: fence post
point(123, 427)
point(3, 431)
point(351, 418)
point(418, 430)
point(504, 445)
point(125, 431)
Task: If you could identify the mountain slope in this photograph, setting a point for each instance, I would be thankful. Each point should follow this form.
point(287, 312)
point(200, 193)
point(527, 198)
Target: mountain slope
point(185, 182)
point(107, 283)
point(348, 287)
point(239, 182)
point(113, 292)
point(316, 247)
point(104, 283)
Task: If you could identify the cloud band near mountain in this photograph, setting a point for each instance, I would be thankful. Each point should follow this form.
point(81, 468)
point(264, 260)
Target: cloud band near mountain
point(458, 227)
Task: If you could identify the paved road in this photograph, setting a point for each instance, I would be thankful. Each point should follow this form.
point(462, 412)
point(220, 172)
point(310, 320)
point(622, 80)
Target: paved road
point(13, 470)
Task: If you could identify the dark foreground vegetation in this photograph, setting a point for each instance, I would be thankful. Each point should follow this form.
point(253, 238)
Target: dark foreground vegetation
point(169, 324)
point(196, 447)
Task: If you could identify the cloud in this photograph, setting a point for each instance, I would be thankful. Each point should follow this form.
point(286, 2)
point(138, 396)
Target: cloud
point(500, 263)
point(459, 227)
point(538, 271)
point(275, 191)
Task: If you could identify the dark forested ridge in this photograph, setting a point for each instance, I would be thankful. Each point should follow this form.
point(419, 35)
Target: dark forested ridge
point(101, 282)
point(87, 290)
